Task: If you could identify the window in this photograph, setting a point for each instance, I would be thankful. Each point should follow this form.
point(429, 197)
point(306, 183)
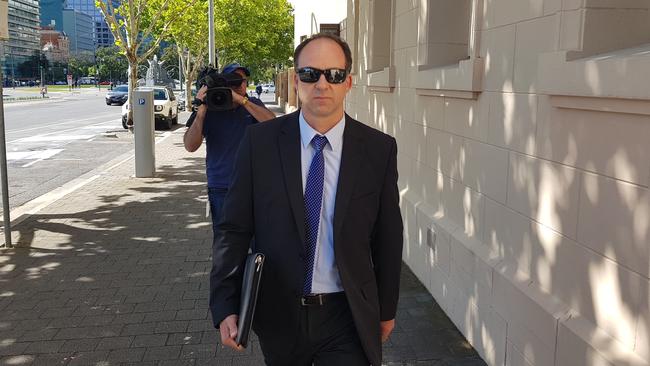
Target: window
point(380, 34)
point(607, 25)
point(332, 29)
point(443, 34)
point(379, 68)
point(448, 51)
point(598, 38)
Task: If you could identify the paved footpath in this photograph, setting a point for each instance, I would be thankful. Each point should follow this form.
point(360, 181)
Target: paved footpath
point(116, 273)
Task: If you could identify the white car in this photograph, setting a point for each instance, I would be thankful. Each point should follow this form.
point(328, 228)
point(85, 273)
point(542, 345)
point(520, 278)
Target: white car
point(270, 88)
point(165, 108)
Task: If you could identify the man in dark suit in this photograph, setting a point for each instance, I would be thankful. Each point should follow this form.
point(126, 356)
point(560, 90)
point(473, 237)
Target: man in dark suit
point(318, 192)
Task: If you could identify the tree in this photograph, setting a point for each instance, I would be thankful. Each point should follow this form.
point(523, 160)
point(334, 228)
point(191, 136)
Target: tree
point(190, 34)
point(138, 29)
point(257, 33)
point(79, 66)
point(112, 64)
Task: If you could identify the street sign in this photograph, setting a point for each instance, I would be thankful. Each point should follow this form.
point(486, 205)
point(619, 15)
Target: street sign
point(4, 19)
point(141, 101)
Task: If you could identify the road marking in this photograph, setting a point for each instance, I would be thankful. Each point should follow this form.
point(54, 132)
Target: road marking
point(56, 124)
point(29, 155)
point(59, 131)
point(42, 138)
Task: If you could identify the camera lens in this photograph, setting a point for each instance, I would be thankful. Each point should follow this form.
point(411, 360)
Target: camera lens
point(219, 99)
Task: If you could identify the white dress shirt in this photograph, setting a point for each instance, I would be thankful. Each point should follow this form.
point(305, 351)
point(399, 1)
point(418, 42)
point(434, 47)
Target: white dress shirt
point(326, 277)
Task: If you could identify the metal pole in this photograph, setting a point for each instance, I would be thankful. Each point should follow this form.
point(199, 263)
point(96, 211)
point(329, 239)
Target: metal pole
point(211, 46)
point(3, 172)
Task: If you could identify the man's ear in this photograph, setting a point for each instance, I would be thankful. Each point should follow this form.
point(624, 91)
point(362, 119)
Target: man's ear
point(295, 84)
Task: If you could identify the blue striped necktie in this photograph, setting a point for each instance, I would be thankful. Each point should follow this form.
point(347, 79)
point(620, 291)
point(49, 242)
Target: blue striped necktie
point(313, 201)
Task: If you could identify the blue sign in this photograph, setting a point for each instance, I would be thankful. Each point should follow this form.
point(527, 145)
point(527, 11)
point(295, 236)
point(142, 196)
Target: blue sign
point(141, 101)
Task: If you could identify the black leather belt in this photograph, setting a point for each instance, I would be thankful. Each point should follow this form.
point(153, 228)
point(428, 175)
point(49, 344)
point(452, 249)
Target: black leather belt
point(321, 299)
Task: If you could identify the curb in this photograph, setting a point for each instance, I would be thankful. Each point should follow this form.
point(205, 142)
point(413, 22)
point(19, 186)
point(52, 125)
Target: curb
point(24, 211)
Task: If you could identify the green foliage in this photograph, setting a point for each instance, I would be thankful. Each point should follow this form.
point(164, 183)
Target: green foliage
point(139, 26)
point(79, 66)
point(112, 64)
point(170, 58)
point(256, 33)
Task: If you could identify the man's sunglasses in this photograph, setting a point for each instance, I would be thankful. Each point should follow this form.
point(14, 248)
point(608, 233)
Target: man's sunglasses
point(312, 75)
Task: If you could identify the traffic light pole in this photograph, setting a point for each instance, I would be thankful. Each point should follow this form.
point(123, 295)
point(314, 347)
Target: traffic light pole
point(3, 172)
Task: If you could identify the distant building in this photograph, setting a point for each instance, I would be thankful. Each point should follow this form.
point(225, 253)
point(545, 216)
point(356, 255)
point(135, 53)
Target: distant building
point(101, 33)
point(312, 17)
point(24, 37)
point(78, 26)
point(55, 45)
point(52, 13)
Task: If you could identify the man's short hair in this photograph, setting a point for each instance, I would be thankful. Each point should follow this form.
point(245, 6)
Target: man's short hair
point(344, 46)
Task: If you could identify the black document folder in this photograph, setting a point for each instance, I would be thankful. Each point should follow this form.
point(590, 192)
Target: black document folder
point(249, 289)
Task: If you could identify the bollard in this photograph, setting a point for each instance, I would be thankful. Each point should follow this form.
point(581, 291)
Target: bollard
point(143, 128)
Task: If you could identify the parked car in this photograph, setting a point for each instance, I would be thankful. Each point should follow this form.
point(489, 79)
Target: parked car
point(118, 95)
point(271, 88)
point(165, 108)
point(181, 99)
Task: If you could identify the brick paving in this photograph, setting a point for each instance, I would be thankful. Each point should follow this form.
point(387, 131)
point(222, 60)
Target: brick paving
point(116, 273)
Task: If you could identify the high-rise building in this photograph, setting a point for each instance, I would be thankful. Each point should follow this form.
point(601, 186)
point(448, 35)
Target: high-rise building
point(78, 26)
point(24, 38)
point(101, 33)
point(52, 13)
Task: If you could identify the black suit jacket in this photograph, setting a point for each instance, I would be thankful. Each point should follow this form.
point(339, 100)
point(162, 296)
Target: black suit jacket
point(265, 200)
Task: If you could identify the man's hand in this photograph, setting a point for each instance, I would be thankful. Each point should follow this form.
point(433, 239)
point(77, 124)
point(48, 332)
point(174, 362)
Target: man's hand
point(200, 95)
point(236, 98)
point(228, 330)
point(386, 328)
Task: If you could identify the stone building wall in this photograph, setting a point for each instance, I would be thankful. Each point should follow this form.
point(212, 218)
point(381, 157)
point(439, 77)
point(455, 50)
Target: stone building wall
point(523, 129)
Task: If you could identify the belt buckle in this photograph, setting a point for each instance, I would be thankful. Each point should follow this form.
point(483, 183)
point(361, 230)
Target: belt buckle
point(303, 300)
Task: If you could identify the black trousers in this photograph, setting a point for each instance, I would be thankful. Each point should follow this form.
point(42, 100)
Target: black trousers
point(327, 337)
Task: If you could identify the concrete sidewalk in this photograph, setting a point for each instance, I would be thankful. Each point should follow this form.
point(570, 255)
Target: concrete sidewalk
point(115, 272)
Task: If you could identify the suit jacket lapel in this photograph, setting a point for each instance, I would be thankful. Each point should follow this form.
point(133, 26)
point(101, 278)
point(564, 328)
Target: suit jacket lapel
point(351, 159)
point(289, 144)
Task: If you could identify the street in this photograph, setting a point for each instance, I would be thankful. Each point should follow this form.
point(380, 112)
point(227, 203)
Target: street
point(50, 143)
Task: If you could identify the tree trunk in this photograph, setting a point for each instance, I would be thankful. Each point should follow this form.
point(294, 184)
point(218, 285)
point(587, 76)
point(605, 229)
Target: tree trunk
point(188, 95)
point(133, 81)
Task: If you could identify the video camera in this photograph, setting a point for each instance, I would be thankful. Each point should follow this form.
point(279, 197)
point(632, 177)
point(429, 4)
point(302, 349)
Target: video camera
point(219, 95)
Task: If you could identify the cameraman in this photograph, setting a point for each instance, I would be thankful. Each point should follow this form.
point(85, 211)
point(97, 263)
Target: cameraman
point(223, 131)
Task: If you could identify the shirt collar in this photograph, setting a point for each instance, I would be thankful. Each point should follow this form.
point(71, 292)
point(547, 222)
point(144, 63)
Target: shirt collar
point(334, 135)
